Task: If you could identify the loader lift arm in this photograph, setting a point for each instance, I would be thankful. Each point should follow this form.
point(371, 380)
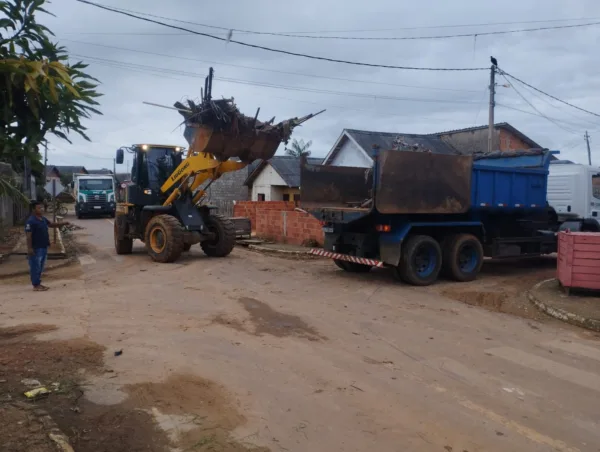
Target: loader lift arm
point(200, 165)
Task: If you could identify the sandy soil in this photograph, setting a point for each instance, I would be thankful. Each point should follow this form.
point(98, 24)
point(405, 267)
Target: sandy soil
point(257, 353)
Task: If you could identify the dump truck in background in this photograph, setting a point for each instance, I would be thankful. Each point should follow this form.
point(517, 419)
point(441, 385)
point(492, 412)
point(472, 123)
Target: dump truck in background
point(424, 214)
point(94, 194)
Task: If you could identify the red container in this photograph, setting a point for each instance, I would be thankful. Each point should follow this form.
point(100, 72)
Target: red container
point(579, 260)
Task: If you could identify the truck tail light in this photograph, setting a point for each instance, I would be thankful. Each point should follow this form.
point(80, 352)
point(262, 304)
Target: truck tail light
point(383, 228)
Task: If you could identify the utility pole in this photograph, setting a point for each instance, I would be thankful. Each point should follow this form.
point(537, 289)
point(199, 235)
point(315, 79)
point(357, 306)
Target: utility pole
point(26, 178)
point(587, 141)
point(45, 161)
point(492, 104)
point(114, 166)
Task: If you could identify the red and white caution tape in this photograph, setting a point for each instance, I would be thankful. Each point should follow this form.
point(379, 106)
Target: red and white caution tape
point(345, 257)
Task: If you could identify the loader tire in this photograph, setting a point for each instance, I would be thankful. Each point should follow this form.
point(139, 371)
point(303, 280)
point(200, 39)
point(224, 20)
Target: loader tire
point(187, 247)
point(164, 238)
point(224, 240)
point(123, 245)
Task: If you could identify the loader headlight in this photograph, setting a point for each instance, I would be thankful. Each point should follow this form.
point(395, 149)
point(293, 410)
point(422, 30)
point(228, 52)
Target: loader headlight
point(144, 147)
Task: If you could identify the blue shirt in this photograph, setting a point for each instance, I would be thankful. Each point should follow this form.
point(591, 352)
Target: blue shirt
point(38, 227)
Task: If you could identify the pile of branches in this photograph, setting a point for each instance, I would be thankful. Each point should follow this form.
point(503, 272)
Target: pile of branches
point(399, 144)
point(223, 115)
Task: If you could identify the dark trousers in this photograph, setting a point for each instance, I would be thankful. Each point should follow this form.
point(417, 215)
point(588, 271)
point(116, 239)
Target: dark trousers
point(36, 265)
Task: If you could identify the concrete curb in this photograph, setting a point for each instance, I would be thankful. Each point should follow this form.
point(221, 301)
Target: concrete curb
point(269, 250)
point(49, 266)
point(60, 440)
point(62, 254)
point(20, 245)
point(561, 314)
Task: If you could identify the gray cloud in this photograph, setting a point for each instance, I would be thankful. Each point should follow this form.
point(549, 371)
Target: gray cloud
point(557, 61)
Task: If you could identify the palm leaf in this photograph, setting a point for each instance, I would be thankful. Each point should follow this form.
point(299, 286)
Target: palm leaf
point(11, 191)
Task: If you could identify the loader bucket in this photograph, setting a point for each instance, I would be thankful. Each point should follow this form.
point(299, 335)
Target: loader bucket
point(226, 144)
point(219, 128)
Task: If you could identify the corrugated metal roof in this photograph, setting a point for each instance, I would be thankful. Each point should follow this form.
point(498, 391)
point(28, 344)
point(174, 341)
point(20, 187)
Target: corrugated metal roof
point(385, 140)
point(66, 170)
point(102, 171)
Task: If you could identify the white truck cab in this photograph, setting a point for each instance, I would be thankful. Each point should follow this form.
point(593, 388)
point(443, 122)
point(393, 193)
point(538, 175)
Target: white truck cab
point(94, 195)
point(574, 192)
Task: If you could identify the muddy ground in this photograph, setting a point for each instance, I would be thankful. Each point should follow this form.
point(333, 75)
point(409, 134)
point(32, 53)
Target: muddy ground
point(502, 286)
point(258, 353)
point(63, 367)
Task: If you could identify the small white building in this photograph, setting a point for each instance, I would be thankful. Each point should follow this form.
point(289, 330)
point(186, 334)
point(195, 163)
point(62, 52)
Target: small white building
point(277, 179)
point(354, 147)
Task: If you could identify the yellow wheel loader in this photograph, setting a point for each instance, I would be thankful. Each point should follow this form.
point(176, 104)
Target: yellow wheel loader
point(163, 205)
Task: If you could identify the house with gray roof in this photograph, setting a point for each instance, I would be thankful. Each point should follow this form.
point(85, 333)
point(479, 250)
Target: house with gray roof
point(277, 179)
point(354, 147)
point(63, 172)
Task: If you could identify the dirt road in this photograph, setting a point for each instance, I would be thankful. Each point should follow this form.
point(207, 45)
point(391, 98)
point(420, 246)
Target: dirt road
point(254, 351)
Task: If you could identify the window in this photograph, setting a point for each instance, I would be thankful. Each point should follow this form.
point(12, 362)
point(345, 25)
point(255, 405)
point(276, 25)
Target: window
point(286, 196)
point(95, 184)
point(297, 197)
point(260, 197)
point(596, 185)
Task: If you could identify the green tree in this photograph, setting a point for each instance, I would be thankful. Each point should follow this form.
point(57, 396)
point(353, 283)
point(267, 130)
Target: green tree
point(298, 148)
point(40, 93)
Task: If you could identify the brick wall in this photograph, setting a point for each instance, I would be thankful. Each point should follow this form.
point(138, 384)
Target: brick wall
point(291, 227)
point(510, 142)
point(477, 140)
point(230, 187)
point(248, 209)
point(278, 221)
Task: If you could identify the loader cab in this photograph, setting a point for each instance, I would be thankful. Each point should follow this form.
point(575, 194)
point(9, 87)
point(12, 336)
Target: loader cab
point(151, 167)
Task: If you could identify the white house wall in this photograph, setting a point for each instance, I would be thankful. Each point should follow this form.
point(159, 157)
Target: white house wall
point(264, 183)
point(350, 154)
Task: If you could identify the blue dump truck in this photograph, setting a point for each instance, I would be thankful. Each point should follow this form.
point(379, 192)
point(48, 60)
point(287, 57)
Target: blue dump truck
point(425, 214)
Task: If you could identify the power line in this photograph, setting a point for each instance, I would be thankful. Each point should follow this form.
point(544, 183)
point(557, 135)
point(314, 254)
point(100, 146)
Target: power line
point(546, 94)
point(415, 38)
point(570, 113)
point(134, 66)
point(538, 115)
point(301, 35)
point(339, 79)
point(534, 107)
point(270, 49)
point(429, 27)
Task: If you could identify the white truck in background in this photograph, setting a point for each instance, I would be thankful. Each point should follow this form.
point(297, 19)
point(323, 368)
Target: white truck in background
point(574, 193)
point(94, 195)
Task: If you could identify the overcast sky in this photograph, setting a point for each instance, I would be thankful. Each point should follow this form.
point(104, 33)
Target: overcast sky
point(561, 62)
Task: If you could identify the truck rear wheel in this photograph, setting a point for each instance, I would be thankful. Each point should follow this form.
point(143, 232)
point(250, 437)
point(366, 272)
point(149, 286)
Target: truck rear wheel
point(164, 238)
point(123, 245)
point(224, 232)
point(420, 262)
point(352, 267)
point(462, 257)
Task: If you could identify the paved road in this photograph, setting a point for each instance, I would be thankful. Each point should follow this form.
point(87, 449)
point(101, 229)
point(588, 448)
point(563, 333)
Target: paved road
point(316, 359)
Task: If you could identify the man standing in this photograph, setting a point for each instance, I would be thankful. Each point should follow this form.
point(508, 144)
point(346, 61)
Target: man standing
point(38, 241)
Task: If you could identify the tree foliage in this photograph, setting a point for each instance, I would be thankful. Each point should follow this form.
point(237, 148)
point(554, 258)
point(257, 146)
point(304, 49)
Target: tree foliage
point(40, 92)
point(298, 148)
